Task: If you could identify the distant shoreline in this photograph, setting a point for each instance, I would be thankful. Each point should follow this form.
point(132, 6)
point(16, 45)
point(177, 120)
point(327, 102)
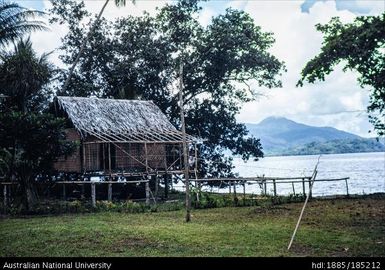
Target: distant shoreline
point(293, 155)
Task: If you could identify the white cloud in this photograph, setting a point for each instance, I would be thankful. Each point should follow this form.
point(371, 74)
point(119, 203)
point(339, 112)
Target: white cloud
point(297, 42)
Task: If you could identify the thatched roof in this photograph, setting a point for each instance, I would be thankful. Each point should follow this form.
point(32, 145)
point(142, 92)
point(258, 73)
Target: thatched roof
point(120, 120)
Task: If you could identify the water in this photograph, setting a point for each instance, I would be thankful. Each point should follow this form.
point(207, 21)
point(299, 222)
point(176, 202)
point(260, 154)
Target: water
point(366, 172)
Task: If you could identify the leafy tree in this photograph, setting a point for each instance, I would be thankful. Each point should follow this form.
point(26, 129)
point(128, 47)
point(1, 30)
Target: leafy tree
point(138, 57)
point(16, 21)
point(90, 33)
point(30, 139)
point(360, 46)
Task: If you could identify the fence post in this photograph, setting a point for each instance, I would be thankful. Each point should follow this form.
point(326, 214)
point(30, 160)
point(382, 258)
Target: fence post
point(110, 192)
point(347, 187)
point(244, 191)
point(310, 189)
point(292, 183)
point(265, 187)
point(275, 188)
point(93, 194)
point(303, 187)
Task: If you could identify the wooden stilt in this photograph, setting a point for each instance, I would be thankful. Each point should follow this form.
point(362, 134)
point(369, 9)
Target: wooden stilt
point(110, 192)
point(109, 158)
point(93, 195)
point(156, 179)
point(64, 192)
point(147, 187)
point(166, 187)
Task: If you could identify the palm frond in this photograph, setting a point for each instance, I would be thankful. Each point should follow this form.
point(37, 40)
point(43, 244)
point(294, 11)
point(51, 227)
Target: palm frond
point(16, 21)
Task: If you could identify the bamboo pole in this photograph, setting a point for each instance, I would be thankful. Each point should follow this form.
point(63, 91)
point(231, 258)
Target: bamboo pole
point(304, 205)
point(185, 153)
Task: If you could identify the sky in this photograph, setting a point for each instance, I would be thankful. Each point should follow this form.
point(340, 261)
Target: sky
point(338, 102)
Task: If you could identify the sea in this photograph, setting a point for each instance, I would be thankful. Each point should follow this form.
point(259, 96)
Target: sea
point(366, 172)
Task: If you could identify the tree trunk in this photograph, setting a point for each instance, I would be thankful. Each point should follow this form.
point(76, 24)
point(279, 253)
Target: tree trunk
point(29, 198)
point(83, 46)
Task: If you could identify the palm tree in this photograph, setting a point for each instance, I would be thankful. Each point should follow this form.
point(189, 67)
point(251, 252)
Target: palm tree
point(16, 21)
point(118, 3)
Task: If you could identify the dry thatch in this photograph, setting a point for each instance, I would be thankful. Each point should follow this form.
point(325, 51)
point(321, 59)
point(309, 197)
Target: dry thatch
point(116, 120)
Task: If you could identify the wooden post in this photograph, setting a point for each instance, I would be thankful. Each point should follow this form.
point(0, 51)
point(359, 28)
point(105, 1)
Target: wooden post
point(229, 188)
point(64, 192)
point(347, 187)
point(5, 198)
point(303, 187)
point(147, 187)
point(104, 157)
point(165, 177)
point(275, 188)
point(310, 193)
point(84, 165)
point(185, 151)
point(146, 157)
point(93, 195)
point(292, 183)
point(109, 157)
point(265, 187)
point(197, 188)
point(235, 189)
point(244, 191)
point(110, 192)
point(156, 187)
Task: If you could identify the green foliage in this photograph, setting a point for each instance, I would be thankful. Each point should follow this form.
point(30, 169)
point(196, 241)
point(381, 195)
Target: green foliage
point(17, 21)
point(360, 46)
point(24, 78)
point(30, 139)
point(334, 147)
point(138, 57)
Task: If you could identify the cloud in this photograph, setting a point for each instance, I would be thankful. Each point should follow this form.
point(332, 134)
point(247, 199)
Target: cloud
point(297, 41)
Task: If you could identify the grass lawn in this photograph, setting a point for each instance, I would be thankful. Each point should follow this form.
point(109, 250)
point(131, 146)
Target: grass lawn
point(343, 227)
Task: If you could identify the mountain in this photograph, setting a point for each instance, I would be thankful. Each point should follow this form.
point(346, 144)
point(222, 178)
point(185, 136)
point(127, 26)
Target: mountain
point(281, 136)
